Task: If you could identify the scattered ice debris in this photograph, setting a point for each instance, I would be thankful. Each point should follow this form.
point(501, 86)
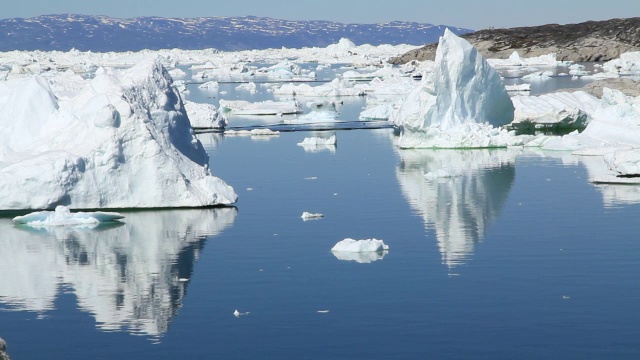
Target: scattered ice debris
point(335, 88)
point(268, 107)
point(311, 216)
point(318, 141)
point(459, 105)
point(62, 216)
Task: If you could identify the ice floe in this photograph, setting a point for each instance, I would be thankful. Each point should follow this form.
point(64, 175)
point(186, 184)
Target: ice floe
point(361, 251)
point(204, 116)
point(318, 141)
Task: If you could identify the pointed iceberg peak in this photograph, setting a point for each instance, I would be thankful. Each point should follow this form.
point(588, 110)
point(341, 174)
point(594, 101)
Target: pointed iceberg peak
point(459, 104)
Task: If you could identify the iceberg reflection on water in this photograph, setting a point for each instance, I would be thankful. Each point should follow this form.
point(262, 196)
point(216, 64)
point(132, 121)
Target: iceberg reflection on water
point(460, 205)
point(129, 277)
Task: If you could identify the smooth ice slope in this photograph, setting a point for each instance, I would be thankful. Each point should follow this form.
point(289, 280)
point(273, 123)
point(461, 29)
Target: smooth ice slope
point(459, 104)
point(124, 141)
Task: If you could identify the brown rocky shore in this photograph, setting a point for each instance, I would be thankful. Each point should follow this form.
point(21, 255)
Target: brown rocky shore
point(587, 41)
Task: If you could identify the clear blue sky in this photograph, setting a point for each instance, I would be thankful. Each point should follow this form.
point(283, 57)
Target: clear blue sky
point(473, 14)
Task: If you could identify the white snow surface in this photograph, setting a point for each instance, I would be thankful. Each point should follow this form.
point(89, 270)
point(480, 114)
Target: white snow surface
point(367, 245)
point(458, 105)
point(123, 141)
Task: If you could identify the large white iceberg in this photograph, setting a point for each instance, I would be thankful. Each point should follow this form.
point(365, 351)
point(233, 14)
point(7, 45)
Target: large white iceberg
point(460, 104)
point(123, 141)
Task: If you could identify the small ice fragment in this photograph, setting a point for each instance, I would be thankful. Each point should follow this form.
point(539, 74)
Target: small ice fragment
point(237, 313)
point(249, 189)
point(565, 297)
point(311, 178)
point(311, 216)
point(183, 280)
point(323, 311)
point(367, 245)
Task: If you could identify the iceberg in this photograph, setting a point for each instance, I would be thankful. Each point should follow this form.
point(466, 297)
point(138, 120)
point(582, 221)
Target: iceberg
point(367, 245)
point(62, 216)
point(123, 141)
point(459, 105)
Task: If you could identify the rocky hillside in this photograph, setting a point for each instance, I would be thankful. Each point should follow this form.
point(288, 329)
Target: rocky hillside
point(587, 41)
point(103, 33)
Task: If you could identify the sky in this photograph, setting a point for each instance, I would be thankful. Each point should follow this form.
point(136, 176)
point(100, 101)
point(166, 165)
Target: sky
point(471, 14)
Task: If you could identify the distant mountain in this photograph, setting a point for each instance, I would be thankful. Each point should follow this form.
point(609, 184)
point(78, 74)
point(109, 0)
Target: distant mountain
point(102, 33)
point(586, 41)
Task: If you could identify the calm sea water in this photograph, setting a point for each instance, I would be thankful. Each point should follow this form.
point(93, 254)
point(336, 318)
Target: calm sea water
point(516, 255)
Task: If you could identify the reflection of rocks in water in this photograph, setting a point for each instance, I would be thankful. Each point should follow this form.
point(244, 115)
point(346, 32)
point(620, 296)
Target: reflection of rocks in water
point(130, 277)
point(462, 193)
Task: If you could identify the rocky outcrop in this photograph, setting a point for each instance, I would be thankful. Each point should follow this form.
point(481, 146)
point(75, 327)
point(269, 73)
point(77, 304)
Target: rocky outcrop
point(587, 41)
point(627, 86)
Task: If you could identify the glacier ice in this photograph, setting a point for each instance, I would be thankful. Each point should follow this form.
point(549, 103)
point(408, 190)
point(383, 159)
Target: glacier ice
point(123, 141)
point(62, 216)
point(460, 104)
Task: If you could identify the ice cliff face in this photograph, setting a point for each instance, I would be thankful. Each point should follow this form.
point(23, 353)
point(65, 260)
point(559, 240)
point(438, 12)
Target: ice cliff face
point(458, 105)
point(123, 141)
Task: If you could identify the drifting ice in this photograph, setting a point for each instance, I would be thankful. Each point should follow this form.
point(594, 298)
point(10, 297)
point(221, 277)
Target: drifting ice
point(368, 245)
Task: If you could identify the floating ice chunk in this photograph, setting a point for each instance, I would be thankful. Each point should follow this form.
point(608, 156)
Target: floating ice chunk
point(237, 313)
point(62, 216)
point(378, 112)
point(249, 87)
point(203, 115)
point(627, 64)
point(368, 245)
point(516, 60)
point(558, 110)
point(318, 141)
point(177, 73)
point(268, 107)
point(463, 94)
point(311, 216)
point(210, 85)
point(625, 163)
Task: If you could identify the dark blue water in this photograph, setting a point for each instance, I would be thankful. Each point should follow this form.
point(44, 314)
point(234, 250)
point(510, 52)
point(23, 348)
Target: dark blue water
point(516, 255)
